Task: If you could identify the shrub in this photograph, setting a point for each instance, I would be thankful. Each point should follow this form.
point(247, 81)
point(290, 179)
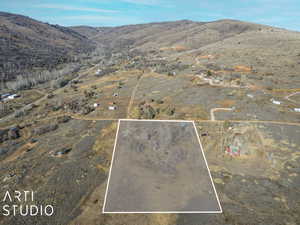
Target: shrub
point(4, 109)
point(169, 110)
point(226, 124)
point(149, 112)
point(3, 151)
point(59, 83)
point(45, 129)
point(209, 73)
point(63, 119)
point(14, 133)
point(20, 113)
point(3, 135)
point(159, 101)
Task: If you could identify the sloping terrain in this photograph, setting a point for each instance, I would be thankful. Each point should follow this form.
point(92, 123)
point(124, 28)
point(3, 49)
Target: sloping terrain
point(85, 30)
point(187, 33)
point(27, 44)
point(270, 54)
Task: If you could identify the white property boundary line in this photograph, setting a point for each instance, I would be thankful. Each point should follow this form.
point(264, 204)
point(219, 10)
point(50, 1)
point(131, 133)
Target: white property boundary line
point(112, 161)
point(164, 212)
point(212, 182)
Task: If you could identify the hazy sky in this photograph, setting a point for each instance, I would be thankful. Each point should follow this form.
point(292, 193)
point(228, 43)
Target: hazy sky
point(280, 13)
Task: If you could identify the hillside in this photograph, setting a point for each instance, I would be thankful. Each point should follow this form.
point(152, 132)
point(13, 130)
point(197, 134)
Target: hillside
point(88, 31)
point(272, 53)
point(187, 33)
point(27, 44)
point(31, 44)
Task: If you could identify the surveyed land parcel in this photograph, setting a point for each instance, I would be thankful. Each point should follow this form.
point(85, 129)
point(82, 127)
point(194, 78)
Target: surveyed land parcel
point(159, 166)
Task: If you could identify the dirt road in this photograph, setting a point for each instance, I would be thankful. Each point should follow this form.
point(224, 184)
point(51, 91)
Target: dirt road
point(212, 111)
point(291, 95)
point(133, 95)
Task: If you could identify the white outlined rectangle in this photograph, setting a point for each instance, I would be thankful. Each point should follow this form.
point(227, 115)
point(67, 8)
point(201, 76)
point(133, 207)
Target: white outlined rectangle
point(219, 210)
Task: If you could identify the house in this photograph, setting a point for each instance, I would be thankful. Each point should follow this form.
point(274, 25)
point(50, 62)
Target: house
point(96, 105)
point(297, 109)
point(250, 95)
point(112, 107)
point(233, 150)
point(275, 102)
point(98, 72)
point(5, 95)
point(13, 96)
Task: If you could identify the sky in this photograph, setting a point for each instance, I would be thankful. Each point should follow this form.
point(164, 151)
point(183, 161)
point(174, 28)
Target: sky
point(278, 13)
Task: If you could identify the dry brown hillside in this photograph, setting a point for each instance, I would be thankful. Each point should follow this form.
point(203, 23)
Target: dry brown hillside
point(27, 44)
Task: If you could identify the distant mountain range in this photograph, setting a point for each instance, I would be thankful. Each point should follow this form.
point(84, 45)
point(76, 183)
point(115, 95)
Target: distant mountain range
point(27, 43)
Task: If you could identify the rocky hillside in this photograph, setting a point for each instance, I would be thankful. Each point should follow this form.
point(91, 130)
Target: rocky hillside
point(27, 44)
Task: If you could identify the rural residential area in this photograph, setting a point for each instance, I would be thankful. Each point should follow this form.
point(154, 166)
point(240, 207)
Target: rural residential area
point(160, 123)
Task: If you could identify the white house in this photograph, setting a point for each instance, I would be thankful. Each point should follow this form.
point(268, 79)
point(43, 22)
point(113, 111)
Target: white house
point(112, 107)
point(275, 102)
point(5, 95)
point(13, 96)
point(96, 105)
point(297, 109)
point(98, 72)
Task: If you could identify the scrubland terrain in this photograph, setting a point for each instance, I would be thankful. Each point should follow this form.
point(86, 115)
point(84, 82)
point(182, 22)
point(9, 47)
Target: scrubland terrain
point(239, 81)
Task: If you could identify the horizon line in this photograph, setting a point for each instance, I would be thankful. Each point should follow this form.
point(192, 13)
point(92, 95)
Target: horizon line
point(154, 22)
